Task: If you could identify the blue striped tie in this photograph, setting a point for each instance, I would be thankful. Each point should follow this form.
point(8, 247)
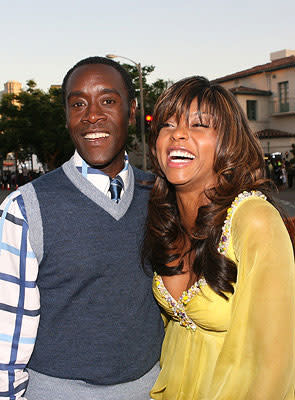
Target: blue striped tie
point(116, 185)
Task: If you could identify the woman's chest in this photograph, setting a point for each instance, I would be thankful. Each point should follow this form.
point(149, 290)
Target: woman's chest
point(199, 306)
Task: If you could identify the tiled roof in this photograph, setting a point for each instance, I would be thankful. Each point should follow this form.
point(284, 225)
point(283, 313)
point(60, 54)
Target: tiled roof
point(273, 133)
point(55, 86)
point(281, 63)
point(247, 90)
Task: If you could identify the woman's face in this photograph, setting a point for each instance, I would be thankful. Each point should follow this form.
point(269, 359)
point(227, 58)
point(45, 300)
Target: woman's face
point(186, 150)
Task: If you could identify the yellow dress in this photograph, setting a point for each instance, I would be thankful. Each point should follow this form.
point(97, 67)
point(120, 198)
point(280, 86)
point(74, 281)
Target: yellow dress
point(243, 348)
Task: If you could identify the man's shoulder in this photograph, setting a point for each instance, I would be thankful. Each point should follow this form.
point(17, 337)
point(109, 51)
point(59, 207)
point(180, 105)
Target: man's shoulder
point(47, 177)
point(142, 178)
point(42, 183)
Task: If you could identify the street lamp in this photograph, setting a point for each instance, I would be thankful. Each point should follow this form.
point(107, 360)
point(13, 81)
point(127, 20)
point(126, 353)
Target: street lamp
point(138, 66)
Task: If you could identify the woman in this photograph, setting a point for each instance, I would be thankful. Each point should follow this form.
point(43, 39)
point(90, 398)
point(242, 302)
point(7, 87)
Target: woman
point(223, 259)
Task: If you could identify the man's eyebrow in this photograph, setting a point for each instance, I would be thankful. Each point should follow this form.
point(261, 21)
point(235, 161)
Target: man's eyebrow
point(75, 94)
point(114, 91)
point(103, 91)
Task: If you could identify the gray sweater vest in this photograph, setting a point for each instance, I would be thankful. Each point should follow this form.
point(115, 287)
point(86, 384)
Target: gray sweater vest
point(99, 321)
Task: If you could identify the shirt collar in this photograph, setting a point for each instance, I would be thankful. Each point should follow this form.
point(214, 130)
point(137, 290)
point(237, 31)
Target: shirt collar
point(97, 177)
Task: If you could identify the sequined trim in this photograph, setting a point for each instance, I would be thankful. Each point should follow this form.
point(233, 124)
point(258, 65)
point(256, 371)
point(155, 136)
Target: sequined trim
point(225, 235)
point(178, 306)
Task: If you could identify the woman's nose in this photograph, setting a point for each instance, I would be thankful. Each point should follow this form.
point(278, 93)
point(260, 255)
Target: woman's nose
point(180, 133)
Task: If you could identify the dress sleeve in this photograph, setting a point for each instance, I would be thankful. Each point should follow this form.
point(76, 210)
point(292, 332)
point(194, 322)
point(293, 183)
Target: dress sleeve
point(257, 358)
point(19, 298)
point(165, 318)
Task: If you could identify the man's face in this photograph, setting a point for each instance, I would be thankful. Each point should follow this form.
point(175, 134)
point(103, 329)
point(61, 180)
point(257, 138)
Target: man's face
point(97, 115)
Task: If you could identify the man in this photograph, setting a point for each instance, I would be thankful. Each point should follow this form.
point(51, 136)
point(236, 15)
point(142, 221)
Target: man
point(73, 236)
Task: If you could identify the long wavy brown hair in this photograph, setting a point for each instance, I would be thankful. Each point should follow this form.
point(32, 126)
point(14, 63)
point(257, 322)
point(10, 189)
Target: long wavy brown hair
point(239, 166)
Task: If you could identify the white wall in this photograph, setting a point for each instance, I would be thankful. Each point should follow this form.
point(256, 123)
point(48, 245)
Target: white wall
point(277, 144)
point(268, 81)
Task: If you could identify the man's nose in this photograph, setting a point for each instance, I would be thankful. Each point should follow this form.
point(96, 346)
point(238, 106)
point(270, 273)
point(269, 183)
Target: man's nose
point(93, 113)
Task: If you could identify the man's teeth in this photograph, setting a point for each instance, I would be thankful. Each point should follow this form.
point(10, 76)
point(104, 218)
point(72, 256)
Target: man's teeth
point(181, 154)
point(96, 135)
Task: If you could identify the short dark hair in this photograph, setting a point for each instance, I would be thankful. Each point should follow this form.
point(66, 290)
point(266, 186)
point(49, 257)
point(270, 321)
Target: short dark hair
point(102, 60)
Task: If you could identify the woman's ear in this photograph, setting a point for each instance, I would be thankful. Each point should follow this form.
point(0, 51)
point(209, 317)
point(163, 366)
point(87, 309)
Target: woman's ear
point(153, 151)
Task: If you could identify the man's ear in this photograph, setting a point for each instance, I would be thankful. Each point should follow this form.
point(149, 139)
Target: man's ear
point(132, 112)
point(65, 111)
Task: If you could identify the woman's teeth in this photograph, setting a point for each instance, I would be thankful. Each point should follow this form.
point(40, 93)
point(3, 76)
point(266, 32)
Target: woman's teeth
point(180, 155)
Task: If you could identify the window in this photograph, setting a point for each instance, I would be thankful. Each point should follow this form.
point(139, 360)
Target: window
point(252, 110)
point(284, 96)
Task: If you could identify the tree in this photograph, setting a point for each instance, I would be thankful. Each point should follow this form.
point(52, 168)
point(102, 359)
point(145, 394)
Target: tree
point(51, 141)
point(9, 126)
point(34, 122)
point(151, 92)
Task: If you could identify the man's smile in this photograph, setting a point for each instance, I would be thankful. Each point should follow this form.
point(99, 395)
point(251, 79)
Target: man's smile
point(95, 135)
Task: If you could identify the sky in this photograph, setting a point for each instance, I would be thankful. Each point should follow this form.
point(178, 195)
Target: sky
point(42, 40)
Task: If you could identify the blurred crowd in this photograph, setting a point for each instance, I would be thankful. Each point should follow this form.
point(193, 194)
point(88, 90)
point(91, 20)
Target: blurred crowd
point(10, 180)
point(281, 168)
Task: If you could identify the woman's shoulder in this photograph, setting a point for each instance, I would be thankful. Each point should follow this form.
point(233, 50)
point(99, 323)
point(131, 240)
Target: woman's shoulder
point(251, 211)
point(255, 210)
point(256, 220)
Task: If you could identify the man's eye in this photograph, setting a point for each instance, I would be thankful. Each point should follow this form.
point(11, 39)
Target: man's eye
point(78, 104)
point(108, 101)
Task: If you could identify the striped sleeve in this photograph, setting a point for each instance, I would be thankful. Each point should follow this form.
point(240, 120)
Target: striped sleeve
point(19, 298)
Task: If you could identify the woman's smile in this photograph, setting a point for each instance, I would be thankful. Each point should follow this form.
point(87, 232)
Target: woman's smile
point(179, 157)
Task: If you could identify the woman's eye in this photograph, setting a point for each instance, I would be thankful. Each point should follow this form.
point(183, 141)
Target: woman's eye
point(167, 125)
point(199, 124)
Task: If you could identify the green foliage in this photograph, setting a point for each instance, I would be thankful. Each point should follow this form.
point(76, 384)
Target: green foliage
point(34, 122)
point(9, 125)
point(151, 91)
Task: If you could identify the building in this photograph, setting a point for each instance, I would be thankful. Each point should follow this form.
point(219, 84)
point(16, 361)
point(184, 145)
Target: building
point(11, 87)
point(14, 87)
point(267, 95)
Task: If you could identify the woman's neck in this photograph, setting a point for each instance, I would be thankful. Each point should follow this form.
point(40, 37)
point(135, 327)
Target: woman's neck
point(188, 205)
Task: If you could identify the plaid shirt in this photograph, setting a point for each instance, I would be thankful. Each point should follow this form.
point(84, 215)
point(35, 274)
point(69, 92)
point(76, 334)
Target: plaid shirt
point(19, 294)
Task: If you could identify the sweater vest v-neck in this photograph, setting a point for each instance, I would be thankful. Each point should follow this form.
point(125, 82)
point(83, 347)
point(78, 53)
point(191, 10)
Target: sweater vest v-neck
point(99, 321)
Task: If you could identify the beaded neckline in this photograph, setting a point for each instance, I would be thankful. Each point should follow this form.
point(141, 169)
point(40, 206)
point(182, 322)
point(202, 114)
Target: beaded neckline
point(178, 306)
